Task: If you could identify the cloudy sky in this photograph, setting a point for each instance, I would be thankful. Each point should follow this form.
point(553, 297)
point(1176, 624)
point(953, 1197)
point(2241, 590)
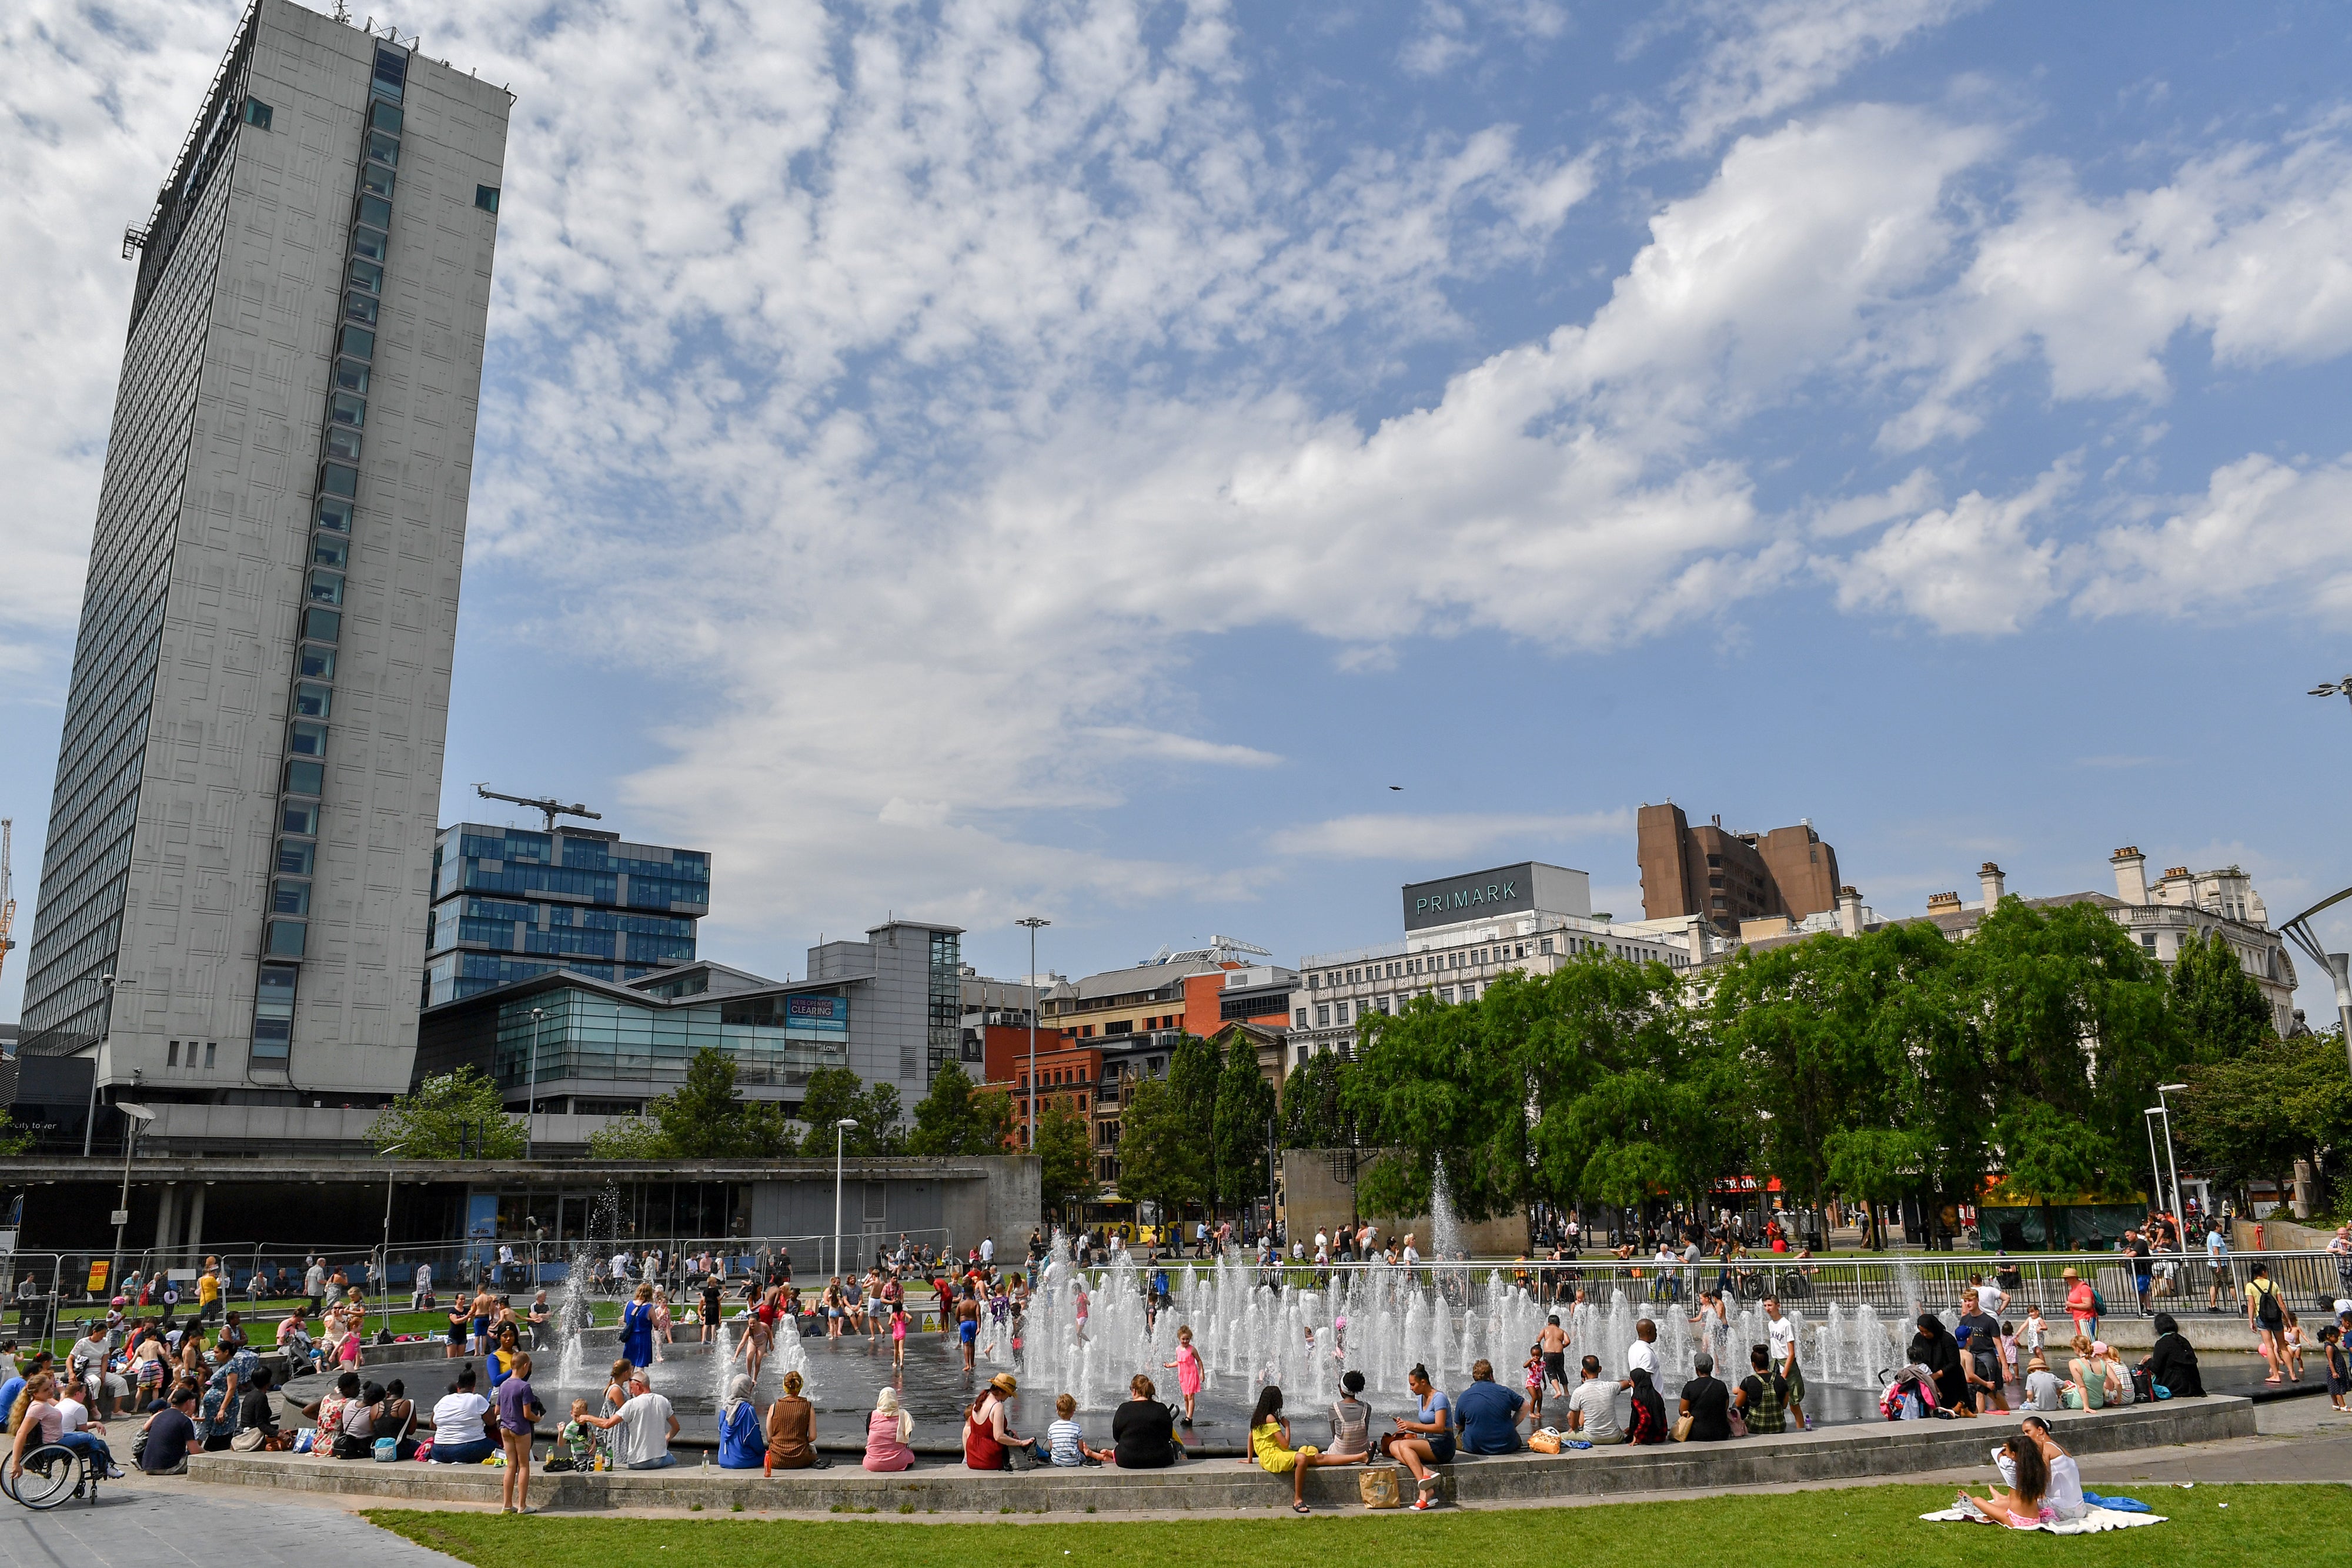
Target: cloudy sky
point(982, 458)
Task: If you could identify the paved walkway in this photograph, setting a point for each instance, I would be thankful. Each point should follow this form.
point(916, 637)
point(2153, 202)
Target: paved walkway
point(161, 1524)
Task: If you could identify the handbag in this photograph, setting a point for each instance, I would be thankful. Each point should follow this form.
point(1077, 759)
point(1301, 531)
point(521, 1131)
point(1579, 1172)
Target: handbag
point(1682, 1429)
point(1738, 1422)
point(248, 1439)
point(1544, 1442)
point(387, 1449)
point(1379, 1488)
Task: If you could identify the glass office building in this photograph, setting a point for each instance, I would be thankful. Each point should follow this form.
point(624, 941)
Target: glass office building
point(234, 892)
point(509, 904)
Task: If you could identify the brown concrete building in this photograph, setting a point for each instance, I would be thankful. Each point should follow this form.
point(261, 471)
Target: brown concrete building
point(1728, 877)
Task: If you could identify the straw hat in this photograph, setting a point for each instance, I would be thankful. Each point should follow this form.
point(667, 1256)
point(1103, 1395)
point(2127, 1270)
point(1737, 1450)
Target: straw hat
point(2040, 1363)
point(1004, 1383)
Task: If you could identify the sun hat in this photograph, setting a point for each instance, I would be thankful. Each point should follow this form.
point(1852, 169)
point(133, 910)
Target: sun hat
point(2098, 1348)
point(1004, 1383)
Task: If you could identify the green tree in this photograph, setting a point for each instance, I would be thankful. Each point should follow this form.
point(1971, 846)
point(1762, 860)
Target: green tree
point(1429, 1086)
point(2253, 1116)
point(705, 1119)
point(1161, 1159)
point(2219, 1008)
point(631, 1138)
point(1245, 1105)
point(1193, 1069)
point(1065, 1158)
point(453, 1115)
point(957, 1117)
point(2050, 1158)
point(1311, 1113)
point(1874, 1166)
point(834, 1092)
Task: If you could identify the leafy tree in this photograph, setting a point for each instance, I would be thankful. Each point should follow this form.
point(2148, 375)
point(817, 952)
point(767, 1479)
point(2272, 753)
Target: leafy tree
point(834, 1092)
point(1065, 1158)
point(1161, 1158)
point(1428, 1085)
point(1193, 1069)
point(631, 1138)
point(1245, 1105)
point(1874, 1166)
point(958, 1117)
point(704, 1118)
point(2219, 1009)
point(2049, 1157)
point(2255, 1114)
point(454, 1115)
point(1311, 1113)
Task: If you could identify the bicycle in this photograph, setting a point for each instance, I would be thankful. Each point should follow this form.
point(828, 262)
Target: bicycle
point(52, 1473)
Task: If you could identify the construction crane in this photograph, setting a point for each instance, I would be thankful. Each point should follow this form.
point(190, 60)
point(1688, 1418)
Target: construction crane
point(549, 805)
point(7, 894)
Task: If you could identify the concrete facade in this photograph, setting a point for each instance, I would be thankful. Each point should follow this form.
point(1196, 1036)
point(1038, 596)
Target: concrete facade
point(176, 817)
point(1725, 877)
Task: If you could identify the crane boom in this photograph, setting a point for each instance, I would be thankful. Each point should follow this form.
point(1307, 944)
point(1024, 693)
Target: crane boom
point(549, 804)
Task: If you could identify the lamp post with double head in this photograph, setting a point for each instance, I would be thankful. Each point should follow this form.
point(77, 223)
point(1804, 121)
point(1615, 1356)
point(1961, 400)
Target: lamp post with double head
point(1035, 994)
point(2163, 1109)
point(840, 1140)
point(105, 1028)
point(383, 1267)
point(531, 1105)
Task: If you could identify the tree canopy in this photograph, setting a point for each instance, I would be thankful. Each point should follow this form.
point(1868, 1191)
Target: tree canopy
point(702, 1119)
point(455, 1116)
point(958, 1117)
point(1245, 1107)
point(1065, 1157)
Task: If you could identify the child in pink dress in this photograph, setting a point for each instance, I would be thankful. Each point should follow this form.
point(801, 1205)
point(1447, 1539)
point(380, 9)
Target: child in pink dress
point(1188, 1370)
point(898, 1333)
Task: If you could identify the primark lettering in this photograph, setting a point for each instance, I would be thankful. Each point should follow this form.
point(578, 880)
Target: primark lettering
point(1468, 897)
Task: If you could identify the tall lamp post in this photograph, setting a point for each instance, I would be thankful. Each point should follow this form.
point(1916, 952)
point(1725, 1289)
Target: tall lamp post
point(2163, 1109)
point(384, 1272)
point(1036, 993)
point(530, 1106)
point(840, 1139)
point(105, 1028)
point(137, 1116)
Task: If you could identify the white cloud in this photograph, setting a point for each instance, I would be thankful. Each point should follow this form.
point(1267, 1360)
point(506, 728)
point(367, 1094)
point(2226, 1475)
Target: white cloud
point(1408, 836)
point(1131, 740)
point(1909, 494)
point(2249, 247)
point(1970, 568)
point(1766, 58)
point(2262, 530)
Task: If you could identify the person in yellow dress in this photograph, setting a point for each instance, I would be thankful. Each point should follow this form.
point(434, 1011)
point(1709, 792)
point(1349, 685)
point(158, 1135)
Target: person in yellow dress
point(1270, 1446)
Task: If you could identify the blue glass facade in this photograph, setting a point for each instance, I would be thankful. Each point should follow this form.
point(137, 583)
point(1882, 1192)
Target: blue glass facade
point(593, 1043)
point(511, 902)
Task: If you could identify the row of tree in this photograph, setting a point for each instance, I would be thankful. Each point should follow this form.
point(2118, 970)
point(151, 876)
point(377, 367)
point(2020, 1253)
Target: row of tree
point(1202, 1135)
point(1901, 1065)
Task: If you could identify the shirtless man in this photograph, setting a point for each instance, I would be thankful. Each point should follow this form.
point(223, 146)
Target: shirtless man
point(1553, 1343)
point(967, 1319)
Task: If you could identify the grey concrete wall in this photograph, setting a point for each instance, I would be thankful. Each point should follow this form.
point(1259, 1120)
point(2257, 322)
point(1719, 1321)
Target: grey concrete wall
point(1315, 1199)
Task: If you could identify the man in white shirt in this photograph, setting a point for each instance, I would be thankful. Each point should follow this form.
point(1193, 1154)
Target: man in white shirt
point(1642, 1354)
point(1782, 1334)
point(1991, 1300)
point(421, 1297)
point(647, 1423)
point(1592, 1407)
point(621, 1272)
point(314, 1285)
point(1411, 1256)
point(987, 1251)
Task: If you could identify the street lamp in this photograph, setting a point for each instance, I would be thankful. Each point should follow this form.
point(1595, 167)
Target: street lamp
point(384, 1272)
point(2163, 1109)
point(840, 1139)
point(137, 1116)
point(105, 1028)
point(1033, 922)
point(530, 1106)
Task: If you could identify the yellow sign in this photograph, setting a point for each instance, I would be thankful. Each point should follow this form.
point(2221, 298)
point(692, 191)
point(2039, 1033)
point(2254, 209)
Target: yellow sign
point(99, 1270)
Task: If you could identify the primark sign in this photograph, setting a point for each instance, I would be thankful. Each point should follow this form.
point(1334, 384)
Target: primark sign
point(1506, 890)
point(1521, 889)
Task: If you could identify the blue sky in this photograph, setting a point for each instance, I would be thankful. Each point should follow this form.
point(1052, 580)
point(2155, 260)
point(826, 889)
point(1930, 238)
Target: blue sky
point(979, 459)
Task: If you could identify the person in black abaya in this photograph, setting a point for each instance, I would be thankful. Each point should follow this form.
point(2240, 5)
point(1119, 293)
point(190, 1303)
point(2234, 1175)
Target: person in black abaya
point(2171, 1364)
point(1934, 1348)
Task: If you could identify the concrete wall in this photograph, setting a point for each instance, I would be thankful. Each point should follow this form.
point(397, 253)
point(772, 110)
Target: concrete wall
point(1318, 1194)
point(988, 1197)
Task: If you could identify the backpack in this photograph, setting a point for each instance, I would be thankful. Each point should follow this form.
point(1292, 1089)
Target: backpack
point(2098, 1303)
point(2266, 1306)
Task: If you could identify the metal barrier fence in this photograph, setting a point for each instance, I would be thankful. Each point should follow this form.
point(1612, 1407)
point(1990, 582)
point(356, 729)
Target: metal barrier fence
point(2310, 1283)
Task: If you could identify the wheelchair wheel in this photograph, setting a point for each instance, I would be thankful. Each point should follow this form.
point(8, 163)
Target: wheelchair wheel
point(52, 1474)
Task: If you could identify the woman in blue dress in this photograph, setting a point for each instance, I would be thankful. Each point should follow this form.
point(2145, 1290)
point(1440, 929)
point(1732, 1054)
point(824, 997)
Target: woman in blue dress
point(742, 1441)
point(637, 1328)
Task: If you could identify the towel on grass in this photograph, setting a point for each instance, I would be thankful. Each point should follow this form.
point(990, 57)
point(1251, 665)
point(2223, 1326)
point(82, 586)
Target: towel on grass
point(2091, 1523)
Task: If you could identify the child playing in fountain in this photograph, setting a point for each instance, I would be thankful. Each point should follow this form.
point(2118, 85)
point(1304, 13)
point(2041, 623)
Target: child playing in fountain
point(1535, 1380)
point(898, 1335)
point(1187, 1367)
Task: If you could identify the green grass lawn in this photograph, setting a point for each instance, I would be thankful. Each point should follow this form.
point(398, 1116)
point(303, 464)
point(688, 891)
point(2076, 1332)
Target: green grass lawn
point(1855, 1525)
point(261, 1322)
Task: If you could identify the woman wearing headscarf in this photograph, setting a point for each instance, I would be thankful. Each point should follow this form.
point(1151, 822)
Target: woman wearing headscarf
point(1934, 1348)
point(2171, 1363)
point(1648, 1423)
point(742, 1445)
point(887, 1432)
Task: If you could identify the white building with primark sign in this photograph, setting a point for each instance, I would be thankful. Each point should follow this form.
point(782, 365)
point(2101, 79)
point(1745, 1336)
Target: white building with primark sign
point(1461, 933)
